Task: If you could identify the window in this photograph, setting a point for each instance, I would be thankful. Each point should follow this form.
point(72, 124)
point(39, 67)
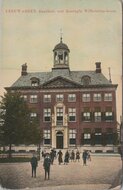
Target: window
point(109, 136)
point(47, 114)
point(86, 97)
point(72, 114)
point(46, 136)
point(33, 99)
point(59, 97)
point(108, 114)
point(97, 116)
point(87, 138)
point(59, 115)
point(33, 115)
point(87, 116)
point(98, 136)
point(24, 97)
point(108, 97)
point(86, 80)
point(72, 136)
point(47, 98)
point(34, 81)
point(71, 97)
point(97, 97)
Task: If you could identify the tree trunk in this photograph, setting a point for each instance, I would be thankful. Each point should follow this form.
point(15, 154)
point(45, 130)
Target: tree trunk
point(39, 150)
point(10, 150)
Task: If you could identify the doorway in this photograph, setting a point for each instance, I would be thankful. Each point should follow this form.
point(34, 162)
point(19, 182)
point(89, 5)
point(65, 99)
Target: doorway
point(59, 140)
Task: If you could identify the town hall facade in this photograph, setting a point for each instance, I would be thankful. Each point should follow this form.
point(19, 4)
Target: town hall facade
point(75, 108)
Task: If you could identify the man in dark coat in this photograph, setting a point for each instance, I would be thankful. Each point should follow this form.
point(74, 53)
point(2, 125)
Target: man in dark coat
point(72, 155)
point(34, 164)
point(60, 154)
point(77, 155)
point(46, 164)
point(66, 158)
point(52, 156)
point(84, 156)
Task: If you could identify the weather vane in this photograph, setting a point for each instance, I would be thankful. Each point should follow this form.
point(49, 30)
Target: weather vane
point(61, 33)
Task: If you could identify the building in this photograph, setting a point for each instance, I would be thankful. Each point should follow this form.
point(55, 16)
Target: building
point(76, 108)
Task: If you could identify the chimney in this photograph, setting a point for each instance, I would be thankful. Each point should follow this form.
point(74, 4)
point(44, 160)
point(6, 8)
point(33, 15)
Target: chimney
point(98, 67)
point(24, 70)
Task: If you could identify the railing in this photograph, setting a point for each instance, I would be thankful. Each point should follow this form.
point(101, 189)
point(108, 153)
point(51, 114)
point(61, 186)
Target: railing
point(25, 155)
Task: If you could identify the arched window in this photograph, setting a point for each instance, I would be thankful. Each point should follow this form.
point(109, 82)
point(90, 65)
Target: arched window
point(34, 81)
point(86, 80)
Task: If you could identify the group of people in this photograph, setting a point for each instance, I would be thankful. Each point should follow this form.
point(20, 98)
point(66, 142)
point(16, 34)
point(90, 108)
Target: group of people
point(49, 159)
point(46, 164)
point(68, 156)
point(73, 156)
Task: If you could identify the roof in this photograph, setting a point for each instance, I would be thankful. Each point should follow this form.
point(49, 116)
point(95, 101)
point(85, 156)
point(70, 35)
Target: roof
point(61, 45)
point(73, 76)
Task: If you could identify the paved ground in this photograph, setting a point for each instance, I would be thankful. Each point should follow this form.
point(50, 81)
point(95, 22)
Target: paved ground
point(99, 174)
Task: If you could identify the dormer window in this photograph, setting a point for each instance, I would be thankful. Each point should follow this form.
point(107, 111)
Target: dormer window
point(34, 82)
point(86, 80)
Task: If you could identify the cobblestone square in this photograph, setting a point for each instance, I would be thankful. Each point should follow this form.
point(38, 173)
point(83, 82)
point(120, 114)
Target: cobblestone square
point(99, 174)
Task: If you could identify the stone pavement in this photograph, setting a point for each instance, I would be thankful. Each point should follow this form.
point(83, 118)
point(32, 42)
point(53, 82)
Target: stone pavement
point(99, 174)
point(73, 187)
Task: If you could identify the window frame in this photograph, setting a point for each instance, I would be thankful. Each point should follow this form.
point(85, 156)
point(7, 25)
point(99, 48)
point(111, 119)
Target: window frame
point(109, 114)
point(86, 116)
point(47, 98)
point(85, 97)
point(47, 114)
point(87, 138)
point(97, 116)
point(108, 96)
point(59, 97)
point(86, 80)
point(34, 83)
point(33, 114)
point(72, 136)
point(47, 136)
point(97, 97)
point(24, 96)
point(71, 97)
point(59, 115)
point(33, 98)
point(72, 114)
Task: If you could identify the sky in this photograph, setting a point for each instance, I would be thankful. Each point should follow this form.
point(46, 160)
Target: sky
point(30, 29)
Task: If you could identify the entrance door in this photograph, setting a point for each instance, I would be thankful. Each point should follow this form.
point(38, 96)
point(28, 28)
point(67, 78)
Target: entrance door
point(59, 140)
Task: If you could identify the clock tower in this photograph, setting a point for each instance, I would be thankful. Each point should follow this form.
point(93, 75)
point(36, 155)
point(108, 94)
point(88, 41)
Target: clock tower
point(61, 55)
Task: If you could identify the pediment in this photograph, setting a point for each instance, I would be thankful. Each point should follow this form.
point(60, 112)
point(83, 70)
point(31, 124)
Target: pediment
point(60, 82)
